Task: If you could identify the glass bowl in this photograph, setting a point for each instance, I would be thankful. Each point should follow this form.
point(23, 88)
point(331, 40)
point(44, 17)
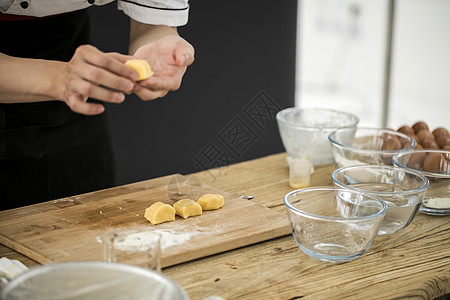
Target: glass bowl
point(367, 146)
point(435, 165)
point(332, 224)
point(402, 190)
point(92, 280)
point(304, 131)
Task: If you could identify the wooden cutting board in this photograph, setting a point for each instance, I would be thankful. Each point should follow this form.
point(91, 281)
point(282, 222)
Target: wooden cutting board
point(68, 229)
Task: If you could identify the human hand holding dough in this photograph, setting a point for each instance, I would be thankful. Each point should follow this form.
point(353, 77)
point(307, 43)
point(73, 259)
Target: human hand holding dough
point(142, 68)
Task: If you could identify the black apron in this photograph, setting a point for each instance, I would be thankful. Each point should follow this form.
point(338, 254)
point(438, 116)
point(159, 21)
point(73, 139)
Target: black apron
point(46, 150)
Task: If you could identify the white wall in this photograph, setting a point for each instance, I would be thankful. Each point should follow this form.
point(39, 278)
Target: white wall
point(421, 69)
point(341, 48)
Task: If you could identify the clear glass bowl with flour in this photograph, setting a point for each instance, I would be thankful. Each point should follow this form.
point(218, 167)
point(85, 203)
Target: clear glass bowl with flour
point(304, 132)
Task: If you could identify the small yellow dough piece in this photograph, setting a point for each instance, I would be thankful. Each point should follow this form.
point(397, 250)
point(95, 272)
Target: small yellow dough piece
point(187, 208)
point(159, 212)
point(211, 201)
point(141, 67)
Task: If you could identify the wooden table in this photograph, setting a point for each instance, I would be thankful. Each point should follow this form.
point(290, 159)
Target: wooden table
point(414, 263)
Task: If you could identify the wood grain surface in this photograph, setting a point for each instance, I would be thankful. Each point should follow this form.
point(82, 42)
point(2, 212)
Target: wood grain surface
point(68, 229)
point(411, 264)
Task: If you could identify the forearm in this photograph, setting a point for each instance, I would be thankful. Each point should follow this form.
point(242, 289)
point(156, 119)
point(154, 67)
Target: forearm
point(29, 80)
point(143, 34)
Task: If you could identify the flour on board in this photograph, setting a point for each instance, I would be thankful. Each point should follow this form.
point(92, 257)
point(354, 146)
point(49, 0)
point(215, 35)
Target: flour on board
point(141, 241)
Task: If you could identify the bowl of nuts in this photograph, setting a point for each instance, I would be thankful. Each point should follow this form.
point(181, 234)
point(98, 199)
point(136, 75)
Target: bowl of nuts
point(367, 146)
point(435, 165)
point(432, 159)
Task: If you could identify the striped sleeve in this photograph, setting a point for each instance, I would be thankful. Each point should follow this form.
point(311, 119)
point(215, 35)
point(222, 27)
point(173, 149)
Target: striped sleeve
point(156, 12)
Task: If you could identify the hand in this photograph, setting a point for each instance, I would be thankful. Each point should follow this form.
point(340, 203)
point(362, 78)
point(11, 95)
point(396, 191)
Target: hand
point(94, 74)
point(168, 57)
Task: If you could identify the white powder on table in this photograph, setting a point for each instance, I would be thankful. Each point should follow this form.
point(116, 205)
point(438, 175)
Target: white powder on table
point(169, 238)
point(140, 240)
point(143, 240)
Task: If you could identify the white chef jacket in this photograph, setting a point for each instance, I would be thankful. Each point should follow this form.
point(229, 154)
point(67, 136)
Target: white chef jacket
point(156, 12)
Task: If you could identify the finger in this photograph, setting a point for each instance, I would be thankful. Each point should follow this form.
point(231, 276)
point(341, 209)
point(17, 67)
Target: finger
point(124, 58)
point(91, 90)
point(184, 55)
point(78, 104)
point(103, 77)
point(121, 57)
point(147, 94)
point(95, 57)
point(158, 83)
point(184, 59)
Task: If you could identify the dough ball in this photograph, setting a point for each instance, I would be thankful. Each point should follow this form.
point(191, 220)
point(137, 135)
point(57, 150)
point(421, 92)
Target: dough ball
point(141, 67)
point(160, 212)
point(211, 201)
point(186, 208)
